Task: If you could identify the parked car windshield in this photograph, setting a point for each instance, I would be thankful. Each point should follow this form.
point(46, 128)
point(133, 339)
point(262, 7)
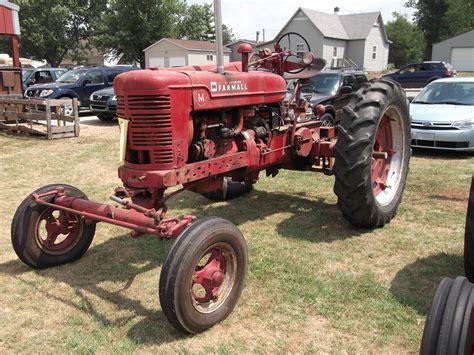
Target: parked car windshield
point(26, 73)
point(454, 93)
point(71, 76)
point(322, 84)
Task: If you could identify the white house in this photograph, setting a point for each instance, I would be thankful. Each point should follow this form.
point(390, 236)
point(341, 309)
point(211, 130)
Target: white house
point(457, 50)
point(360, 38)
point(172, 52)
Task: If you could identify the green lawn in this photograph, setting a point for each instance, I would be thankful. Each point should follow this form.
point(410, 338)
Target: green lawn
point(315, 284)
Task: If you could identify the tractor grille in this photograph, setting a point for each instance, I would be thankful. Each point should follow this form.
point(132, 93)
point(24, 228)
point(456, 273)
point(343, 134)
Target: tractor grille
point(150, 125)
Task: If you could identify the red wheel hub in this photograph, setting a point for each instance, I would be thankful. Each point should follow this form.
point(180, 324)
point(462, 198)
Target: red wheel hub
point(381, 162)
point(56, 231)
point(209, 277)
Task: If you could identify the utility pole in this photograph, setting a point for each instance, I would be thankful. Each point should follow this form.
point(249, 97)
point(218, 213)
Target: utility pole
point(220, 46)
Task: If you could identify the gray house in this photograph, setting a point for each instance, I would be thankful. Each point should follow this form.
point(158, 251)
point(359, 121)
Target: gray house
point(360, 38)
point(457, 50)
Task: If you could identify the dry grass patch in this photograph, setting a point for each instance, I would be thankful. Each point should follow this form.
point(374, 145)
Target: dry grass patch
point(316, 284)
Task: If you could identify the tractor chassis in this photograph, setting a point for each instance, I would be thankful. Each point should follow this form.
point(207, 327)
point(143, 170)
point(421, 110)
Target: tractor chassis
point(198, 177)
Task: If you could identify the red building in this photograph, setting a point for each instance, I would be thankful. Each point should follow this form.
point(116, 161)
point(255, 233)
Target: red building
point(10, 26)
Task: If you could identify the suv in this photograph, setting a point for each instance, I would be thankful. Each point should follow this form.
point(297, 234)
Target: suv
point(104, 104)
point(418, 75)
point(32, 76)
point(332, 88)
point(78, 83)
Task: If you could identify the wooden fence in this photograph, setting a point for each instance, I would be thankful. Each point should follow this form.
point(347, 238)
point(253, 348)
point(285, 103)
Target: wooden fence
point(45, 117)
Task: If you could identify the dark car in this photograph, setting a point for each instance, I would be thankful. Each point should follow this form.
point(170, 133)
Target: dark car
point(104, 104)
point(333, 89)
point(419, 75)
point(78, 83)
point(32, 76)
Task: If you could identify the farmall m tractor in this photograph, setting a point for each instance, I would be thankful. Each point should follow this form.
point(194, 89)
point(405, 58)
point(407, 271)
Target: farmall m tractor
point(213, 131)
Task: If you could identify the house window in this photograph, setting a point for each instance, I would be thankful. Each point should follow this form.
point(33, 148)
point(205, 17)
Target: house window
point(334, 52)
point(374, 52)
point(210, 57)
point(300, 49)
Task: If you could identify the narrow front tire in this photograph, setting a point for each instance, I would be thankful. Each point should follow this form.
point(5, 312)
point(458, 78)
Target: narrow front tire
point(43, 236)
point(203, 275)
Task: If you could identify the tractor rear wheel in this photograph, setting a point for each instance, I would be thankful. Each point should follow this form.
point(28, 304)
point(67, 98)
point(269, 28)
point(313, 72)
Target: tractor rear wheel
point(449, 327)
point(43, 236)
point(203, 275)
point(372, 154)
point(230, 189)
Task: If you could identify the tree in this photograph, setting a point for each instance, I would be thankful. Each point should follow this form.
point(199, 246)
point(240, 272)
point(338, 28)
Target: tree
point(5, 45)
point(227, 35)
point(408, 42)
point(197, 23)
point(441, 19)
point(128, 27)
point(52, 29)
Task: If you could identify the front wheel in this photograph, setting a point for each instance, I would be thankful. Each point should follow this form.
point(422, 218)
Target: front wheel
point(43, 236)
point(372, 154)
point(203, 275)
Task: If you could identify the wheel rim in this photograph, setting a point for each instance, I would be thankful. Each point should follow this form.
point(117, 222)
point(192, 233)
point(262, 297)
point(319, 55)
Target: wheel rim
point(388, 156)
point(57, 232)
point(213, 278)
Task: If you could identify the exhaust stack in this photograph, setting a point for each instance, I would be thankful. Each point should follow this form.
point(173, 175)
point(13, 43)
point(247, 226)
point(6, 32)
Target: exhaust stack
point(220, 45)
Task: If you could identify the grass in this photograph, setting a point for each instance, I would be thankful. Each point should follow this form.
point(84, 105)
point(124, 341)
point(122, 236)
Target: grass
point(316, 284)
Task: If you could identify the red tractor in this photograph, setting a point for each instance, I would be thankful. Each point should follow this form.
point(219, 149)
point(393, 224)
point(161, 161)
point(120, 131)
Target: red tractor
point(212, 131)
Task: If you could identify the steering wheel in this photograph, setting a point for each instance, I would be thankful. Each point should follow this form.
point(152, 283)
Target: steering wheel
point(286, 41)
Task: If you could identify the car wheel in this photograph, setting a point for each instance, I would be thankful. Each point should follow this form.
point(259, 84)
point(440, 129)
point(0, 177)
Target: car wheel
point(327, 120)
point(105, 117)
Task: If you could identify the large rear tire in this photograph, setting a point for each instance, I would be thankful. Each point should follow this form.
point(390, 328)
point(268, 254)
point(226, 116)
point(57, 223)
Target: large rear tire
point(469, 237)
point(43, 236)
point(372, 154)
point(449, 327)
point(203, 275)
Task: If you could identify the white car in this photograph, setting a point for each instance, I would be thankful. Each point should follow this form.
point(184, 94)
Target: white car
point(442, 115)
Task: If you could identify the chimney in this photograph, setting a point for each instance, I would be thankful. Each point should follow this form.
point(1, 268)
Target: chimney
point(336, 10)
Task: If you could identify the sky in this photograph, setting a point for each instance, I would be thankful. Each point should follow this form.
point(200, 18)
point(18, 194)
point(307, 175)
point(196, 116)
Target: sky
point(245, 17)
